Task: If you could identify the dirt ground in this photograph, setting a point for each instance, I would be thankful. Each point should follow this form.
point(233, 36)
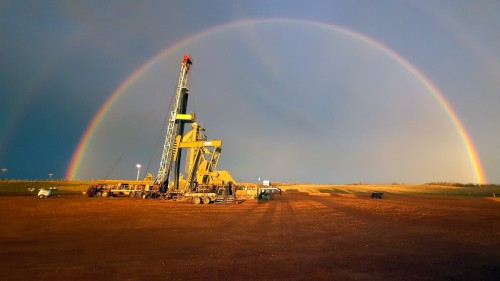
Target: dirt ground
point(297, 236)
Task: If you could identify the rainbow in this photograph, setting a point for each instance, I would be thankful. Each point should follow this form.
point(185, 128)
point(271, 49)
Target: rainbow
point(426, 82)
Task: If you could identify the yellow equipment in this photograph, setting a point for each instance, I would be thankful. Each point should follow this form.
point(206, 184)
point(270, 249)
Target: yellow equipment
point(202, 181)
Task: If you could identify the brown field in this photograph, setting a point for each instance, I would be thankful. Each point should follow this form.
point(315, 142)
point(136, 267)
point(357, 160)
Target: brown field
point(298, 236)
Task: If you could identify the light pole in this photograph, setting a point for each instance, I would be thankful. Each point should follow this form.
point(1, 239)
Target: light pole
point(138, 170)
point(4, 171)
point(50, 176)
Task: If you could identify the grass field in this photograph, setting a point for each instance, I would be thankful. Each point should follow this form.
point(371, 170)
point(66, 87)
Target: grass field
point(397, 189)
point(13, 187)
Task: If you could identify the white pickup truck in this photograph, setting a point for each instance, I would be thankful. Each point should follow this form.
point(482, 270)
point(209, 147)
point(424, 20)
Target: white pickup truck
point(44, 193)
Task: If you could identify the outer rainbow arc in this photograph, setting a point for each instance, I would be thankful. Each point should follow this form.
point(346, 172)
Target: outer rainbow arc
point(457, 123)
point(469, 146)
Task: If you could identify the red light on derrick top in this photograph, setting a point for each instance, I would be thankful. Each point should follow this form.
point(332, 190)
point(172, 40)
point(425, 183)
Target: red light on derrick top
point(187, 60)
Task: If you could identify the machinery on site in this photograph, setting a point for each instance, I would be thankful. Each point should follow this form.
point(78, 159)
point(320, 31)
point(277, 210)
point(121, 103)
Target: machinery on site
point(201, 182)
point(120, 189)
point(96, 190)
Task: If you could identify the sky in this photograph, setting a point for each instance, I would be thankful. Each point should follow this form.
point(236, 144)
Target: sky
point(298, 91)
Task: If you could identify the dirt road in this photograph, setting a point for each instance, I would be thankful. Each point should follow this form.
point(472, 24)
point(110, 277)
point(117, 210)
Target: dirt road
point(295, 237)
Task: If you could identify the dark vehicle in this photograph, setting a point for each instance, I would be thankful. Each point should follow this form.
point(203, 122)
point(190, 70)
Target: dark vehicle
point(97, 190)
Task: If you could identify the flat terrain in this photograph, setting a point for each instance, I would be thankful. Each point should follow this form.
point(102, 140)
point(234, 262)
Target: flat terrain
point(298, 236)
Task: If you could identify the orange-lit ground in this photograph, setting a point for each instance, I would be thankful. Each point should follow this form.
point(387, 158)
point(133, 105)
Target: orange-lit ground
point(295, 237)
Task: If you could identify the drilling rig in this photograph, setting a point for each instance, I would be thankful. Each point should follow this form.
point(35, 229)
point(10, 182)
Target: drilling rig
point(202, 182)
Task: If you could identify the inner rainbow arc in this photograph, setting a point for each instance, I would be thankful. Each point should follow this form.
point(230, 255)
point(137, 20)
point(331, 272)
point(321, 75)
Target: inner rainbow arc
point(435, 92)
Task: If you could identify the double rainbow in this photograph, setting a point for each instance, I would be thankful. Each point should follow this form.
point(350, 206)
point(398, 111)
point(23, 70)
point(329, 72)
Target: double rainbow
point(73, 167)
